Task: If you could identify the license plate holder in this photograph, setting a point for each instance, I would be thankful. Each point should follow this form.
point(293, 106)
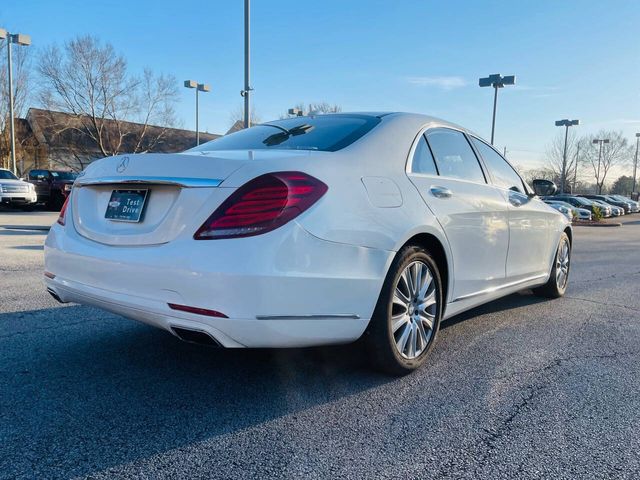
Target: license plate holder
point(127, 205)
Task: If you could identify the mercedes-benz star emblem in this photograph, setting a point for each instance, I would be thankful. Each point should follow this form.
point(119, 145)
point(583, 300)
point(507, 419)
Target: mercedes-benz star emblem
point(122, 166)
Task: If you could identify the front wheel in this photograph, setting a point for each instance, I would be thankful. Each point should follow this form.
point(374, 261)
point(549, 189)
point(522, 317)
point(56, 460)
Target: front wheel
point(559, 278)
point(407, 316)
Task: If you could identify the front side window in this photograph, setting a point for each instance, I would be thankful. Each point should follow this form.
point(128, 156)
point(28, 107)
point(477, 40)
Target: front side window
point(502, 173)
point(327, 133)
point(454, 156)
point(422, 159)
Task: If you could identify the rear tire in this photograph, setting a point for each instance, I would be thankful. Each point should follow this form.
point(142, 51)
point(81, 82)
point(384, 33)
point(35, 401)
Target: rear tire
point(559, 278)
point(407, 316)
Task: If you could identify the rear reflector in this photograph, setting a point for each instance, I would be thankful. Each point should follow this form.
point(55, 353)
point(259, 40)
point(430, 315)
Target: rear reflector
point(261, 205)
point(49, 275)
point(196, 310)
point(63, 211)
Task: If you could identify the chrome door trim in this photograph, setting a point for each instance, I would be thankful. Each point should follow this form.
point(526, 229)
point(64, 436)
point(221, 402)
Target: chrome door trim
point(308, 317)
point(499, 287)
point(184, 182)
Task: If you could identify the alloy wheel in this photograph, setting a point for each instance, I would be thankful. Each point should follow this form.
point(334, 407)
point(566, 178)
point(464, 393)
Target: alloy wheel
point(562, 265)
point(413, 310)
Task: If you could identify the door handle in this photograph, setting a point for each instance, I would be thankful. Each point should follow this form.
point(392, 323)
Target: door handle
point(517, 199)
point(440, 192)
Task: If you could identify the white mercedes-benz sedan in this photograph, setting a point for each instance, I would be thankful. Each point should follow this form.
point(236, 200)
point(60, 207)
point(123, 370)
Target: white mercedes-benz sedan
point(309, 231)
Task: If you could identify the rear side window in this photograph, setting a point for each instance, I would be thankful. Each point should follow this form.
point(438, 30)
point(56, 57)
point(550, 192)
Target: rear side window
point(454, 156)
point(422, 159)
point(502, 173)
point(327, 133)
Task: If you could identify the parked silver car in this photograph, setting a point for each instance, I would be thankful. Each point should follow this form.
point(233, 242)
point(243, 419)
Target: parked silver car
point(578, 213)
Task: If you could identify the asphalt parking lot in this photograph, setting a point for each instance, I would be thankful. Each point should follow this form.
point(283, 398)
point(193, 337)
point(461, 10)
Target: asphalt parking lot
point(522, 387)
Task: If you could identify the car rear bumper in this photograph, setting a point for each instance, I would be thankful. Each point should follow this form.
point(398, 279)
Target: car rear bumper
point(286, 288)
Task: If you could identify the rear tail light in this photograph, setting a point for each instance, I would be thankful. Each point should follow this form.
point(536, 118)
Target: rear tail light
point(261, 205)
point(63, 211)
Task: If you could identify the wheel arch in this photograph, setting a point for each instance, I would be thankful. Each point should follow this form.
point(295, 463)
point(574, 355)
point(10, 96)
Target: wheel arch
point(436, 247)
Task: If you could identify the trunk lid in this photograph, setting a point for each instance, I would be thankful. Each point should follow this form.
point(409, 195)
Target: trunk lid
point(178, 186)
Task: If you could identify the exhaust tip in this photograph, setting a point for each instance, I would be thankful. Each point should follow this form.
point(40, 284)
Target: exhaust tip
point(195, 336)
point(55, 295)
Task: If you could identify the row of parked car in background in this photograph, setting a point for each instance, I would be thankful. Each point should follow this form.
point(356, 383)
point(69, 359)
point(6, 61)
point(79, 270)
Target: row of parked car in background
point(588, 207)
point(46, 187)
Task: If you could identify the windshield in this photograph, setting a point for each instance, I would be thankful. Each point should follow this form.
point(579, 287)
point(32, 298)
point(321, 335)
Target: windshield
point(7, 175)
point(582, 201)
point(64, 175)
point(327, 133)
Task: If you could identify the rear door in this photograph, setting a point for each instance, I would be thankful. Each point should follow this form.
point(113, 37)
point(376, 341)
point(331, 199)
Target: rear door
point(472, 213)
point(529, 218)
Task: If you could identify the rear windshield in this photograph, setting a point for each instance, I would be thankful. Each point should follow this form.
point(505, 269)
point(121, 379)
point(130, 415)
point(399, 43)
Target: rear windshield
point(326, 133)
point(7, 175)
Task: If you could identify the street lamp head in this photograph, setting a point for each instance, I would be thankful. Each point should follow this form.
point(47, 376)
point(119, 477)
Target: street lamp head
point(638, 135)
point(191, 84)
point(509, 80)
point(496, 80)
point(21, 39)
point(605, 141)
point(567, 123)
point(203, 87)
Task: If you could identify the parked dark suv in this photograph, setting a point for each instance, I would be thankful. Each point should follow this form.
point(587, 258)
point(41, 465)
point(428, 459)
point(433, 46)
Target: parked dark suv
point(52, 186)
point(609, 199)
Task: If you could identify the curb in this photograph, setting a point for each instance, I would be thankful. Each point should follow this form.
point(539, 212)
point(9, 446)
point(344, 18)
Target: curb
point(601, 225)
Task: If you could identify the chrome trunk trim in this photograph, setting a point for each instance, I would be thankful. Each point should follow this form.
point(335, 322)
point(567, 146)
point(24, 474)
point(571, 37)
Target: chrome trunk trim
point(184, 182)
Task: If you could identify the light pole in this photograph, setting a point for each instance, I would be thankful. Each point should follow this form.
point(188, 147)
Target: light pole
point(24, 40)
point(200, 87)
point(635, 163)
point(600, 142)
point(565, 123)
point(575, 173)
point(496, 81)
point(247, 50)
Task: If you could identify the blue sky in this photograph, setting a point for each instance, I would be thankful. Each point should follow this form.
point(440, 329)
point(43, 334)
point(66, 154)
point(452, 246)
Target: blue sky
point(573, 59)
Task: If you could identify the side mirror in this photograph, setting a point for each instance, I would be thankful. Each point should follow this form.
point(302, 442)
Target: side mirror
point(544, 188)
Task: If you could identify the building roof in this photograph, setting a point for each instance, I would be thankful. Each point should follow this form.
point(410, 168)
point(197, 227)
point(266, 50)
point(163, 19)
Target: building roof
point(64, 131)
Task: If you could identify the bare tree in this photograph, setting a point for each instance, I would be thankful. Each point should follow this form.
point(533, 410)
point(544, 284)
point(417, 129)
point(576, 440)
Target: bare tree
point(555, 157)
point(615, 153)
point(21, 76)
point(319, 107)
point(111, 111)
point(236, 117)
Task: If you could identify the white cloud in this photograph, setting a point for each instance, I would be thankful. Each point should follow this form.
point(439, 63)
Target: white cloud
point(444, 83)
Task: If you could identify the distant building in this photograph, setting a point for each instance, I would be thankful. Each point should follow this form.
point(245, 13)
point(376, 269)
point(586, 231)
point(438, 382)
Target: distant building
point(56, 140)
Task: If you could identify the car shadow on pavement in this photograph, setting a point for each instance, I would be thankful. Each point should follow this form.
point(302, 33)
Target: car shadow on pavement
point(515, 300)
point(79, 381)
